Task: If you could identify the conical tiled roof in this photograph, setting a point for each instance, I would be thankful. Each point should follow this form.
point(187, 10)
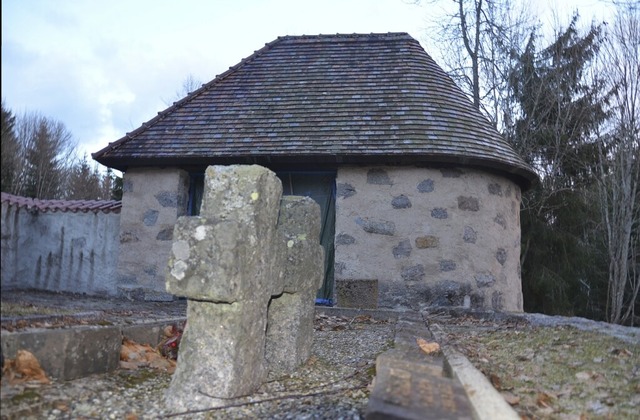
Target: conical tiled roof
point(324, 100)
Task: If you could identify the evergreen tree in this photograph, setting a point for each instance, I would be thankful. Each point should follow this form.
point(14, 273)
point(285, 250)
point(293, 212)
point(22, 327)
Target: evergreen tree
point(559, 114)
point(85, 183)
point(9, 151)
point(113, 185)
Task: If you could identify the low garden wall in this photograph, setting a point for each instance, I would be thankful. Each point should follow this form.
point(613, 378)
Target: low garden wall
point(64, 246)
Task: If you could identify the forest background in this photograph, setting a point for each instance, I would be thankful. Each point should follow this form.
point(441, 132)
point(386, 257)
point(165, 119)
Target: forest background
point(569, 103)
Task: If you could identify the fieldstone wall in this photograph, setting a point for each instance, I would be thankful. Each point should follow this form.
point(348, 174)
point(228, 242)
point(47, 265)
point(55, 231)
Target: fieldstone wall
point(432, 237)
point(152, 201)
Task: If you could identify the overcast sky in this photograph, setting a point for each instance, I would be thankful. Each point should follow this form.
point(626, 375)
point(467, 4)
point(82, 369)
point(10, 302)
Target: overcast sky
point(103, 67)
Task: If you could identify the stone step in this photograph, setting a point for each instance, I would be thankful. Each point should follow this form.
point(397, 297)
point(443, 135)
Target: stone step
point(79, 351)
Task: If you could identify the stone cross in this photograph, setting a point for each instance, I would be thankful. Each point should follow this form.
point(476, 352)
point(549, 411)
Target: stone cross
point(250, 266)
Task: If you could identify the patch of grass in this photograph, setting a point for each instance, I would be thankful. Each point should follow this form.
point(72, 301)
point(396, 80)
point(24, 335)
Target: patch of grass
point(560, 372)
point(28, 396)
point(371, 371)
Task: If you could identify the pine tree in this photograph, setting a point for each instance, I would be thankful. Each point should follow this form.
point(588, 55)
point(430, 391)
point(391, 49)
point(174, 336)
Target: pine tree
point(9, 151)
point(560, 111)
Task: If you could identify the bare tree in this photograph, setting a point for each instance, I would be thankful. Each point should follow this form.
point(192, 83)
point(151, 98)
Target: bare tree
point(45, 155)
point(85, 182)
point(619, 166)
point(39, 160)
point(189, 85)
point(480, 40)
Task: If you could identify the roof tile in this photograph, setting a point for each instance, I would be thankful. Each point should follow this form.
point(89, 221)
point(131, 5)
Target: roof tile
point(346, 98)
point(74, 206)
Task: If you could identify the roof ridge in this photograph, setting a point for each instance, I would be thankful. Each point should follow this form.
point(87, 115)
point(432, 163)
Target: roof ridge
point(222, 76)
point(355, 36)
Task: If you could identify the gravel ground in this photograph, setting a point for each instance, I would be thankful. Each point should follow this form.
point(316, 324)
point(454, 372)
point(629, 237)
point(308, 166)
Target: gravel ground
point(333, 384)
point(546, 367)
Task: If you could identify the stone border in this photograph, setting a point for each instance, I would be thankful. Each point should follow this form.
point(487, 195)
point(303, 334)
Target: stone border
point(380, 314)
point(79, 351)
point(411, 384)
point(486, 401)
point(451, 371)
point(630, 335)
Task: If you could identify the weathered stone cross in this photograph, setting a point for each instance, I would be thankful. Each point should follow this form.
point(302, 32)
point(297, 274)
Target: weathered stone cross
point(250, 266)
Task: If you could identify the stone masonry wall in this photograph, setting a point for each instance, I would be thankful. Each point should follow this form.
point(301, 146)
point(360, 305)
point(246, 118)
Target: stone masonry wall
point(152, 201)
point(442, 237)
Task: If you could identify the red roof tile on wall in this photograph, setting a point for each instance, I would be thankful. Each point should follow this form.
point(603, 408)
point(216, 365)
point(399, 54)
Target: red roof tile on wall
point(74, 206)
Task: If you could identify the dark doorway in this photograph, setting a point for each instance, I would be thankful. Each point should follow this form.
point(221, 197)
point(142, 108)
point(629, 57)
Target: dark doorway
point(321, 187)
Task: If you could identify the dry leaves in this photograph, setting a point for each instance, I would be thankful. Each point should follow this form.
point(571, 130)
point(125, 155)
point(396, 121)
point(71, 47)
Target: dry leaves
point(428, 347)
point(330, 323)
point(621, 352)
point(24, 368)
point(544, 399)
point(170, 344)
point(134, 356)
point(495, 381)
point(62, 406)
point(510, 398)
point(553, 372)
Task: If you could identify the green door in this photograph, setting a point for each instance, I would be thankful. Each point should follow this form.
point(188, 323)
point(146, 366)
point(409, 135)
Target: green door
point(320, 186)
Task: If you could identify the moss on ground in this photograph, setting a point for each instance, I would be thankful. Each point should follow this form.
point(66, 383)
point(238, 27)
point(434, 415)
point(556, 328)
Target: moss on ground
point(28, 396)
point(558, 372)
point(133, 378)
